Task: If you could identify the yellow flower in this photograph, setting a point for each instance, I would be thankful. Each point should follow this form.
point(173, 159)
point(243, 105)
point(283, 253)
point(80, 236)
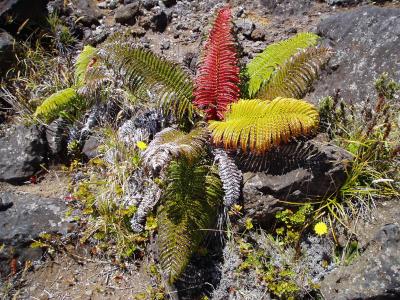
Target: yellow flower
point(141, 145)
point(320, 228)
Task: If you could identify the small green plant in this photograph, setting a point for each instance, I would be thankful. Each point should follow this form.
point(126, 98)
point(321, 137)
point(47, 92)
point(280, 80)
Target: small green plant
point(291, 223)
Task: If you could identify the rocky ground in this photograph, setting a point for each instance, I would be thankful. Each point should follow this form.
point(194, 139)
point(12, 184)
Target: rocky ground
point(34, 191)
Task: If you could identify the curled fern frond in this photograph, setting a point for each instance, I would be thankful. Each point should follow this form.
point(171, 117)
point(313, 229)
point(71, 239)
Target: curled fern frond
point(218, 78)
point(294, 77)
point(64, 100)
point(258, 126)
point(141, 69)
point(190, 203)
point(230, 176)
point(261, 67)
point(170, 144)
point(84, 59)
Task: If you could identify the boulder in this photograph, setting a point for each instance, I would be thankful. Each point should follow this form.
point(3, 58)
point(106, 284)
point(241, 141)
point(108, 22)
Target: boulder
point(7, 56)
point(366, 42)
point(57, 138)
point(310, 176)
point(22, 150)
point(20, 11)
point(23, 218)
point(87, 12)
point(373, 275)
point(127, 14)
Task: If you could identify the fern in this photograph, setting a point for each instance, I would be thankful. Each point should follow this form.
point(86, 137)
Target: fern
point(260, 68)
point(293, 78)
point(170, 144)
point(258, 125)
point(84, 59)
point(64, 100)
point(280, 160)
point(191, 200)
point(142, 69)
point(218, 76)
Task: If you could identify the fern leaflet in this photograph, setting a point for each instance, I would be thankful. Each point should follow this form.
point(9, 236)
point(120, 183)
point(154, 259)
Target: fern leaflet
point(84, 59)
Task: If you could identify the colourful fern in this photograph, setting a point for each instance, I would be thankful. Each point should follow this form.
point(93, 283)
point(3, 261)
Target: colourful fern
point(258, 125)
point(191, 199)
point(218, 77)
point(143, 70)
point(294, 77)
point(260, 68)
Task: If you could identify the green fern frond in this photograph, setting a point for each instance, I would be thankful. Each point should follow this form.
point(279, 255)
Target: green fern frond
point(82, 62)
point(258, 125)
point(64, 100)
point(142, 68)
point(191, 200)
point(294, 77)
point(171, 143)
point(260, 68)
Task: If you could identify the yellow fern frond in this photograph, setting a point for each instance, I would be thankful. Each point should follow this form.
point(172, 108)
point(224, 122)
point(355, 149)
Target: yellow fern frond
point(257, 125)
point(294, 77)
point(260, 68)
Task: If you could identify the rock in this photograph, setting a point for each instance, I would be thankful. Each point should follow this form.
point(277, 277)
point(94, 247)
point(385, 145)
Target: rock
point(7, 56)
point(169, 3)
point(90, 148)
point(258, 35)
point(165, 45)
point(366, 41)
point(59, 7)
point(159, 21)
point(126, 14)
point(87, 12)
point(343, 2)
point(20, 11)
point(290, 7)
point(149, 4)
point(321, 172)
point(245, 26)
point(25, 219)
point(375, 274)
point(22, 150)
point(57, 138)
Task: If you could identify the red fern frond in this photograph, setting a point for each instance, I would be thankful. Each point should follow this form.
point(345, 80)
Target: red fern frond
point(218, 78)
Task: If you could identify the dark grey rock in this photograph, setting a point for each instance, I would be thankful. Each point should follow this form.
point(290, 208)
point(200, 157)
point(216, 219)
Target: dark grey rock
point(20, 11)
point(324, 176)
point(343, 2)
point(169, 3)
point(374, 275)
point(25, 219)
point(366, 42)
point(87, 12)
point(22, 150)
point(127, 14)
point(7, 56)
point(58, 7)
point(159, 21)
point(149, 4)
